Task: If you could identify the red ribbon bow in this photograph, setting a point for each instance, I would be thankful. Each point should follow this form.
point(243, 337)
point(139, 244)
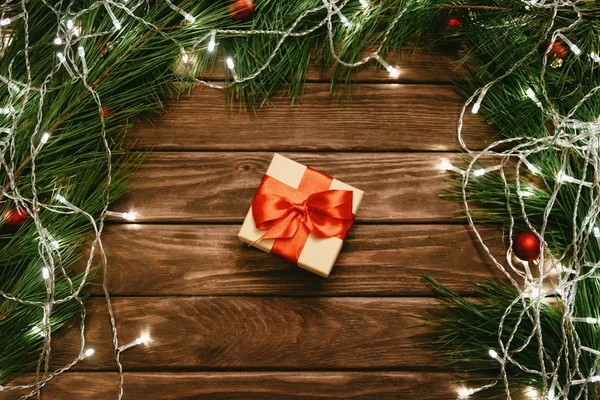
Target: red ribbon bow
point(325, 214)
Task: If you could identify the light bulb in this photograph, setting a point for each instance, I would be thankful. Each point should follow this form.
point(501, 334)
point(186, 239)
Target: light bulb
point(44, 138)
point(479, 172)
point(211, 43)
point(89, 352)
point(364, 3)
point(45, 273)
point(5, 21)
point(464, 392)
point(185, 58)
point(190, 18)
point(70, 24)
point(58, 41)
point(597, 232)
point(229, 61)
point(445, 165)
point(393, 71)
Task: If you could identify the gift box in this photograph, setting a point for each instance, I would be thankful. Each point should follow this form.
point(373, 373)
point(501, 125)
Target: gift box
point(301, 214)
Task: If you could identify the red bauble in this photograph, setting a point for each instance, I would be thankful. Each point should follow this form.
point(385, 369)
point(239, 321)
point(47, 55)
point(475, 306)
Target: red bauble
point(241, 9)
point(526, 246)
point(557, 49)
point(105, 111)
point(454, 22)
point(15, 218)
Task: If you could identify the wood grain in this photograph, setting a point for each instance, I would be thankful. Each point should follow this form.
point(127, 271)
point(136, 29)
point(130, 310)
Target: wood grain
point(376, 260)
point(423, 67)
point(257, 333)
point(219, 186)
point(380, 117)
point(255, 386)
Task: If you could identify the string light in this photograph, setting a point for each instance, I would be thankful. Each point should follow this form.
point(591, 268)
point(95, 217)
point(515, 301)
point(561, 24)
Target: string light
point(587, 320)
point(574, 48)
point(595, 57)
point(143, 339)
point(45, 137)
point(532, 393)
point(211, 42)
point(113, 18)
point(63, 61)
point(88, 353)
point(37, 330)
point(494, 355)
point(81, 52)
point(70, 24)
point(129, 216)
point(5, 21)
point(45, 273)
point(393, 71)
point(364, 3)
point(464, 393)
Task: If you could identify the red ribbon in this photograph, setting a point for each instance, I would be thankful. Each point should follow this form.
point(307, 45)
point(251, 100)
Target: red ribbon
point(289, 215)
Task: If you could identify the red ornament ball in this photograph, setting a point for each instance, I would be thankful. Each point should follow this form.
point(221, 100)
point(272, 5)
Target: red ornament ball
point(15, 218)
point(241, 9)
point(557, 49)
point(526, 246)
point(453, 22)
point(105, 111)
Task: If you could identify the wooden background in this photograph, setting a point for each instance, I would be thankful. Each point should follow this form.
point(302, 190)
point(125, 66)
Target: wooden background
point(230, 322)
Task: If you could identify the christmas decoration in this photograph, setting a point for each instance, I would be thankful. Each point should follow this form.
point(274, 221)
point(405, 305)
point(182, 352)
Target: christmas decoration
point(241, 9)
point(294, 206)
point(454, 22)
point(556, 51)
point(526, 246)
point(123, 54)
point(15, 217)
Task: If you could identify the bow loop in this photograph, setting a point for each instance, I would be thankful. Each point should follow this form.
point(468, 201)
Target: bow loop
point(325, 214)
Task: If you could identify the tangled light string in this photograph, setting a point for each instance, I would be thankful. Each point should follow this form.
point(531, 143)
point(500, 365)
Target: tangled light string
point(572, 136)
point(22, 93)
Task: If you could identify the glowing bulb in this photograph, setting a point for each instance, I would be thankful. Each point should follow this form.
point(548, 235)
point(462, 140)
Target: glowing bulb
point(476, 107)
point(38, 331)
point(57, 41)
point(211, 43)
point(364, 3)
point(534, 170)
point(595, 57)
point(393, 71)
point(45, 273)
point(89, 353)
point(591, 320)
point(526, 193)
point(185, 58)
point(45, 137)
point(144, 338)
point(230, 62)
point(494, 355)
point(5, 21)
point(190, 18)
point(464, 392)
point(479, 172)
point(344, 20)
point(55, 244)
point(70, 24)
point(597, 232)
point(576, 50)
point(531, 94)
point(130, 216)
point(532, 393)
point(445, 165)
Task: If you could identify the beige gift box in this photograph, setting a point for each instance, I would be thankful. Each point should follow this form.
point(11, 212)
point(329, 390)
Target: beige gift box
point(318, 254)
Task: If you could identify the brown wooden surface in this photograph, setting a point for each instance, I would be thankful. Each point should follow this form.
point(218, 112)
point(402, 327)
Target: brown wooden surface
point(257, 385)
point(230, 322)
point(380, 117)
point(376, 260)
point(218, 186)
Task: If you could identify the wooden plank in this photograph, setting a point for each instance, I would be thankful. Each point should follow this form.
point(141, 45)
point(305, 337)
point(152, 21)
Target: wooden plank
point(380, 117)
point(376, 260)
point(423, 67)
point(255, 386)
point(218, 187)
point(257, 333)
